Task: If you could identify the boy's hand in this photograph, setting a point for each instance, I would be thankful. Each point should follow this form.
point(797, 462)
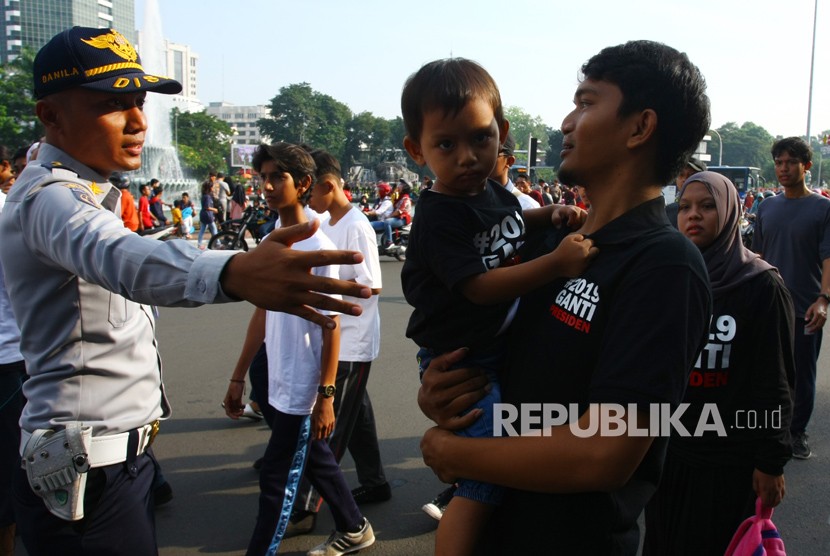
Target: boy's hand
point(233, 400)
point(322, 418)
point(572, 256)
point(571, 216)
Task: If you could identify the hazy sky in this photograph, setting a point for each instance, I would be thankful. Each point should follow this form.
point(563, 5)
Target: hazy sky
point(754, 54)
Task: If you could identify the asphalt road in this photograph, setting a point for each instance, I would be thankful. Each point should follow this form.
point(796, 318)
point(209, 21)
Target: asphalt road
point(207, 457)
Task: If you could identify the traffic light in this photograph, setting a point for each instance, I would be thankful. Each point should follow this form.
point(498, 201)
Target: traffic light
point(531, 156)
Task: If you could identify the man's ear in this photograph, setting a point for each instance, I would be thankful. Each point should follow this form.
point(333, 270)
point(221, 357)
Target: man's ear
point(808, 165)
point(48, 113)
point(414, 150)
point(644, 126)
point(503, 129)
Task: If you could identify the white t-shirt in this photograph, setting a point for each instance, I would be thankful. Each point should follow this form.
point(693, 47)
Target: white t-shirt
point(525, 200)
point(359, 336)
point(294, 347)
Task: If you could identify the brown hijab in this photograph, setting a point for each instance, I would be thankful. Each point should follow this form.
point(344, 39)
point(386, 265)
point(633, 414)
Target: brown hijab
point(729, 263)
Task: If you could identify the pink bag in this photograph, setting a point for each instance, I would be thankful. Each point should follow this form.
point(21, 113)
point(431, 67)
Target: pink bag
point(757, 536)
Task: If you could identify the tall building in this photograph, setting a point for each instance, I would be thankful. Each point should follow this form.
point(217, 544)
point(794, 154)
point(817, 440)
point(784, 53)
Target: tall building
point(31, 23)
point(243, 119)
point(179, 62)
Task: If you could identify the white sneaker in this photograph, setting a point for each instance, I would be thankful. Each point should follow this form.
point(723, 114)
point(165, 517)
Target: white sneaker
point(251, 413)
point(345, 543)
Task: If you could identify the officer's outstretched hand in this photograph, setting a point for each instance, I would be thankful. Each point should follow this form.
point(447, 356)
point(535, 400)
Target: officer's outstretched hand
point(275, 277)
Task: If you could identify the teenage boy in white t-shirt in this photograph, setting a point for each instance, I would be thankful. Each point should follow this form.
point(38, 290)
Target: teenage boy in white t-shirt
point(302, 366)
point(359, 344)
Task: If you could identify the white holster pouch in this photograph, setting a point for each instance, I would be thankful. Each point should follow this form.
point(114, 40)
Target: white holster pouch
point(56, 464)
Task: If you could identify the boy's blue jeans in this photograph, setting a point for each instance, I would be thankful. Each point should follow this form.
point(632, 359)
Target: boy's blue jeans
point(483, 426)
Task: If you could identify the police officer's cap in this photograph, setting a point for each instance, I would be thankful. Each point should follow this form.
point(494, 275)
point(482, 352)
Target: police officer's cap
point(100, 59)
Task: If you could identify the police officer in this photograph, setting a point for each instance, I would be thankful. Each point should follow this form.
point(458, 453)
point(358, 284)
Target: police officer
point(81, 284)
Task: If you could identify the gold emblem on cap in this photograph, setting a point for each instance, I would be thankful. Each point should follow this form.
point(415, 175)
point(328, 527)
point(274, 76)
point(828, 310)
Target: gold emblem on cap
point(116, 42)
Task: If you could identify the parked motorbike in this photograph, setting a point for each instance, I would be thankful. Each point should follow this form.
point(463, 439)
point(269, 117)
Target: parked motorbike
point(400, 241)
point(233, 232)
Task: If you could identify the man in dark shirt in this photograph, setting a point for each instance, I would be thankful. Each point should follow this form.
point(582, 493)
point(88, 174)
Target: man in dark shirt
point(622, 336)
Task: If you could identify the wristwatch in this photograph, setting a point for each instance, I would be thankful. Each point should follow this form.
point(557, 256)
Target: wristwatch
point(327, 390)
point(825, 296)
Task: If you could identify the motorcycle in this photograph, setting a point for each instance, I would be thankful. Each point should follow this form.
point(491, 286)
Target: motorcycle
point(232, 236)
point(747, 226)
point(400, 241)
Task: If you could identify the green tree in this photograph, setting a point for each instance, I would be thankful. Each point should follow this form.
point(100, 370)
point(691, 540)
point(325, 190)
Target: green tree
point(552, 154)
point(203, 142)
point(300, 114)
point(747, 145)
point(367, 136)
point(19, 125)
point(522, 126)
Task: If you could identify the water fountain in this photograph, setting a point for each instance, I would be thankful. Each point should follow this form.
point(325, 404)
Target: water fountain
point(159, 158)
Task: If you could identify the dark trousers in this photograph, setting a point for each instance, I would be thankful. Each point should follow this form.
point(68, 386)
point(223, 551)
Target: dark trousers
point(280, 467)
point(118, 515)
point(12, 376)
point(697, 508)
point(806, 348)
point(355, 428)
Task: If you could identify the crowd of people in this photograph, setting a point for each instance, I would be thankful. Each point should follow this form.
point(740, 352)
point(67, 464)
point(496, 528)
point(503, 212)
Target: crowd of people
point(586, 294)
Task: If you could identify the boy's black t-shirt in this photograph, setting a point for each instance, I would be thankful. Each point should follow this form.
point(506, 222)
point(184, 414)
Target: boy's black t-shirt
point(451, 240)
point(627, 331)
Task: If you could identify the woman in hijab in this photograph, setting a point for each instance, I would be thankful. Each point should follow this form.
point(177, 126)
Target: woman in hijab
point(239, 201)
point(739, 388)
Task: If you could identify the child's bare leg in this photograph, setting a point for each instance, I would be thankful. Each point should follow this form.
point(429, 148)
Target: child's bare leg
point(461, 527)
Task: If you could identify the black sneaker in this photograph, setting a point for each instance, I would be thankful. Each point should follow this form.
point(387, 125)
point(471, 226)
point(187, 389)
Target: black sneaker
point(300, 523)
point(435, 509)
point(801, 450)
point(372, 495)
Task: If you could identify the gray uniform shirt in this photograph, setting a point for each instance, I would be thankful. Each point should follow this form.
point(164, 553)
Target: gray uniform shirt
point(793, 235)
point(80, 285)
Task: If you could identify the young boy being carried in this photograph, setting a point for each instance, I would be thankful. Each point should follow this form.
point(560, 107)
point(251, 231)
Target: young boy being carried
point(461, 273)
point(302, 366)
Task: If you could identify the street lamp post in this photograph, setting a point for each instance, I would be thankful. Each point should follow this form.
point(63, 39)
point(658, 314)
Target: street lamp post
point(720, 147)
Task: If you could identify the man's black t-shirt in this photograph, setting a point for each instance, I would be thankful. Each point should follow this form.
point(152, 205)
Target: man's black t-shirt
point(627, 331)
point(453, 239)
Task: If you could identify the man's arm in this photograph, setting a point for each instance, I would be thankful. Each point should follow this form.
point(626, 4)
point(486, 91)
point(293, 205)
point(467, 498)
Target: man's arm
point(93, 244)
point(254, 337)
point(570, 463)
point(816, 314)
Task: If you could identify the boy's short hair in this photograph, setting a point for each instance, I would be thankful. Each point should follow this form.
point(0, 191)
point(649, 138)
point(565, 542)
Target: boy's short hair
point(289, 158)
point(656, 76)
point(177, 203)
point(795, 147)
point(446, 85)
point(5, 154)
point(326, 164)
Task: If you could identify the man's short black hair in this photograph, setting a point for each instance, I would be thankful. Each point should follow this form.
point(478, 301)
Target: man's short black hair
point(795, 147)
point(654, 76)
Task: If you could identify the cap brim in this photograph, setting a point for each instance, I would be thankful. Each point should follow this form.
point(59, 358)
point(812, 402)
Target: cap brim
point(136, 82)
